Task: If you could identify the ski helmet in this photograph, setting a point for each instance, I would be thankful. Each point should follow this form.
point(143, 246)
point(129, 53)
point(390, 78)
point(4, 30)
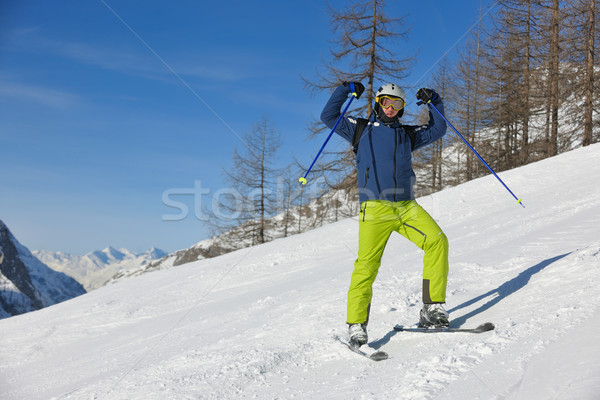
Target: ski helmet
point(391, 90)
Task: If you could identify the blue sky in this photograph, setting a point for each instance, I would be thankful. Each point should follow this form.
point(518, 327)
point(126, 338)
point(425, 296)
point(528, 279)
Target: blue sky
point(107, 105)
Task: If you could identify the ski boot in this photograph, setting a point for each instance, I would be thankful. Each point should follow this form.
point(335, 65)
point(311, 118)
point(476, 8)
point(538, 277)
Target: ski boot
point(434, 316)
point(358, 334)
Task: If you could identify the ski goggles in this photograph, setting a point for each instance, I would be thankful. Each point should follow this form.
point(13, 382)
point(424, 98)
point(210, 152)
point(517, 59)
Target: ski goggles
point(386, 102)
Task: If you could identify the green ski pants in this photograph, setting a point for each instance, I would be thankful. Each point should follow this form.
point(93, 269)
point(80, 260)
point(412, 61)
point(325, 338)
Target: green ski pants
point(378, 219)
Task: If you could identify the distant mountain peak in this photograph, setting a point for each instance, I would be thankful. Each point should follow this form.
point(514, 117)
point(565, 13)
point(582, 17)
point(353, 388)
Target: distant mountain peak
point(114, 253)
point(155, 253)
point(94, 269)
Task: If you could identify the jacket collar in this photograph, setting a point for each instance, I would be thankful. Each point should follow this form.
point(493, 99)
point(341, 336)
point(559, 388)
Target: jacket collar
point(394, 125)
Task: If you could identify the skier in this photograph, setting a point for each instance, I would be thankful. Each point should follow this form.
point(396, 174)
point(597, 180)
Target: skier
point(387, 202)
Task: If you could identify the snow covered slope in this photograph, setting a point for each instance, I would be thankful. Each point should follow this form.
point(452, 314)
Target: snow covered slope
point(261, 322)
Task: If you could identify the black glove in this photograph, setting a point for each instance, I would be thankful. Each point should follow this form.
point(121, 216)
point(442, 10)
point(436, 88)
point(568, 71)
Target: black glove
point(427, 95)
point(356, 87)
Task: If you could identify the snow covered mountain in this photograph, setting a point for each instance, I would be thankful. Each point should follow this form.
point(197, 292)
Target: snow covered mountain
point(329, 208)
point(261, 322)
point(27, 284)
point(96, 268)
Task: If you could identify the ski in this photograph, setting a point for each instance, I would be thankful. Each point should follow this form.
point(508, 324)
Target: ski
point(488, 326)
point(375, 356)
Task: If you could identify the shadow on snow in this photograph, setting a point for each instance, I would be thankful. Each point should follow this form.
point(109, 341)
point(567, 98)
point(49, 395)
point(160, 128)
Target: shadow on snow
point(501, 292)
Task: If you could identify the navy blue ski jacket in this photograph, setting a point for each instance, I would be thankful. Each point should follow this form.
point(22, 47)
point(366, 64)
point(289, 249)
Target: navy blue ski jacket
point(383, 159)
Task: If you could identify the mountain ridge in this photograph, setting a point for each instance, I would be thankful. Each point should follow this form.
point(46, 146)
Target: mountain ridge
point(95, 268)
point(26, 283)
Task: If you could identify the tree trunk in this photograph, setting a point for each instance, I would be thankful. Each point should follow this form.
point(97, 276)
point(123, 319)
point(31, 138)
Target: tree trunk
point(589, 78)
point(554, 78)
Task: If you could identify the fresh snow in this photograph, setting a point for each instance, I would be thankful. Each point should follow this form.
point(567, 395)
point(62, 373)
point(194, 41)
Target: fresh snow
point(261, 322)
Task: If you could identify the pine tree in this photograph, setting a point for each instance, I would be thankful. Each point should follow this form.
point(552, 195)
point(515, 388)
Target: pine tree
point(469, 96)
point(252, 197)
point(590, 50)
point(581, 30)
point(554, 74)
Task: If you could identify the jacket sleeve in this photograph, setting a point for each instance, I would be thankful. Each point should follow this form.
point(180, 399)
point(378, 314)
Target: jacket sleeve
point(332, 110)
point(434, 130)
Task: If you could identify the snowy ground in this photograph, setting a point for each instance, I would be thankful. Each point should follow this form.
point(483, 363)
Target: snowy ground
point(261, 322)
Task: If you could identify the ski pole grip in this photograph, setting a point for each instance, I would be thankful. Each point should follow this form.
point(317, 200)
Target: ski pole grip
point(353, 90)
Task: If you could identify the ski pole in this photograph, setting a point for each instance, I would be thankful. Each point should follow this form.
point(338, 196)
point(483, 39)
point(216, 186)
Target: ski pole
point(519, 201)
point(302, 180)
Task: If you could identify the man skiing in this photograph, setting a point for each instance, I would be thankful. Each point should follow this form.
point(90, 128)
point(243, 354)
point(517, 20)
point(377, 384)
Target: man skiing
point(387, 201)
